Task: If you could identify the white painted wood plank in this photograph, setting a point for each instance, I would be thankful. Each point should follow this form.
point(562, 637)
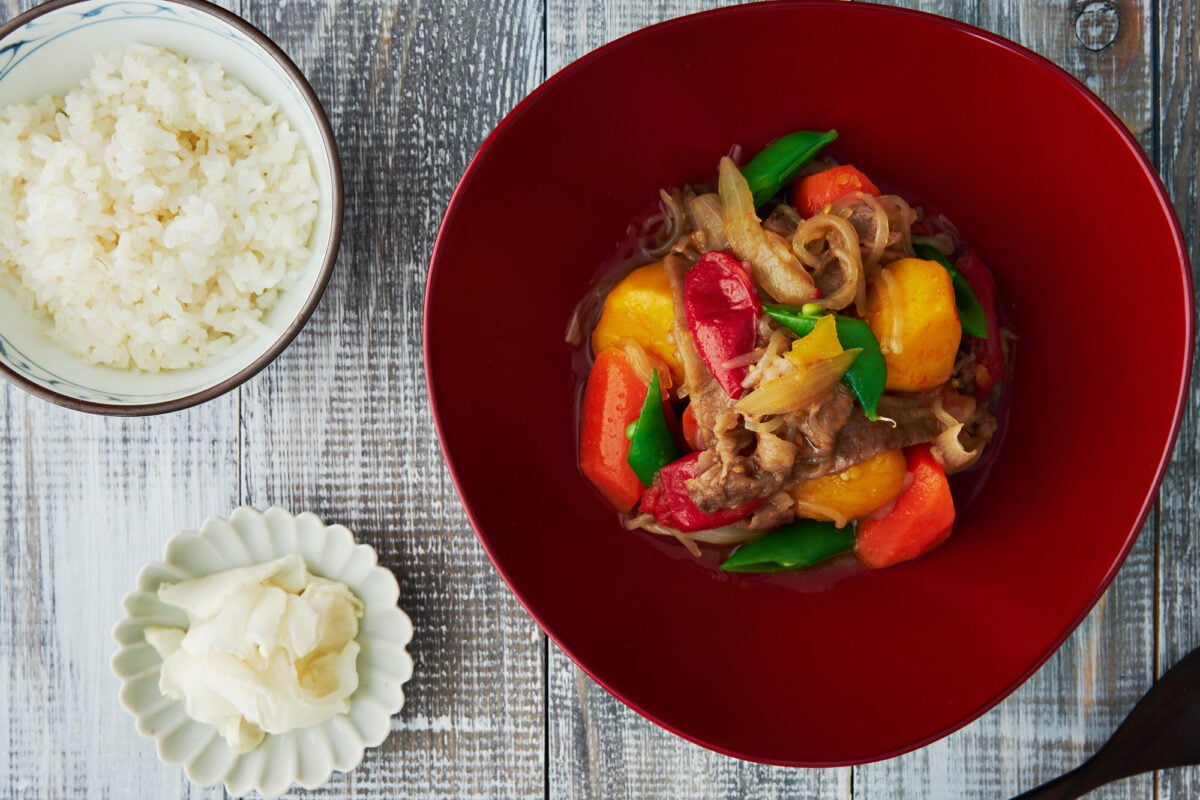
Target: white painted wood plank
point(411, 101)
point(599, 748)
point(84, 503)
point(342, 424)
point(1179, 547)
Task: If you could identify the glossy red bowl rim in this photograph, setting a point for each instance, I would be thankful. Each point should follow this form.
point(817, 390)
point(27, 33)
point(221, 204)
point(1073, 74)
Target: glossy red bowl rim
point(1054, 73)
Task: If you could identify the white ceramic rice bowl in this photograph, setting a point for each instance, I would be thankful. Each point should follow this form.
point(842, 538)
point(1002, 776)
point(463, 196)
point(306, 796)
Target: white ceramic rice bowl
point(49, 50)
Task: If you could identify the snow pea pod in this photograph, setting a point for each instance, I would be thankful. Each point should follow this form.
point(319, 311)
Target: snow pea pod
point(867, 375)
point(801, 544)
point(779, 161)
point(970, 310)
point(651, 445)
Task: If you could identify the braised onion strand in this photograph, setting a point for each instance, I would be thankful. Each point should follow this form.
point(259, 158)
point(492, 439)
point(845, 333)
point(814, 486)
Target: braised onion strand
point(839, 237)
point(900, 219)
point(889, 288)
point(879, 228)
point(774, 267)
point(705, 212)
point(797, 388)
point(664, 229)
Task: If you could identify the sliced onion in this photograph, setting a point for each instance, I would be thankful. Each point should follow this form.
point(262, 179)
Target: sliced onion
point(727, 535)
point(645, 364)
point(775, 269)
point(770, 426)
point(842, 240)
point(744, 360)
point(946, 447)
point(963, 405)
point(723, 536)
point(797, 388)
point(887, 507)
point(942, 242)
point(890, 296)
point(900, 218)
point(706, 216)
point(817, 511)
point(663, 230)
point(950, 453)
point(686, 539)
point(882, 227)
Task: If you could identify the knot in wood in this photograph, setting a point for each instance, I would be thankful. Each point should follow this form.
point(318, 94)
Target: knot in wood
point(1097, 25)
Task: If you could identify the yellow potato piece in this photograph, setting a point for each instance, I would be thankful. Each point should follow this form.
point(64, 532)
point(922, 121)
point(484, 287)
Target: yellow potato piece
point(914, 317)
point(854, 493)
point(640, 308)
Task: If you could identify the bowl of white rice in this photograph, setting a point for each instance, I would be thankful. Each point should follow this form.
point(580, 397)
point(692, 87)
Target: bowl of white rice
point(170, 203)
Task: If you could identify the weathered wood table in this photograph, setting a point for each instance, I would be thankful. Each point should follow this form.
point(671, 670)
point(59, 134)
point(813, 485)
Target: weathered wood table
point(340, 425)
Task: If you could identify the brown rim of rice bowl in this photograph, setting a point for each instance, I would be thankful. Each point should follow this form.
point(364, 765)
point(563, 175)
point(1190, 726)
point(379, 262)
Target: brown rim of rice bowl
point(331, 251)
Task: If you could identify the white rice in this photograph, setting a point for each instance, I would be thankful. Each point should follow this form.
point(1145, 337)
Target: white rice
point(155, 213)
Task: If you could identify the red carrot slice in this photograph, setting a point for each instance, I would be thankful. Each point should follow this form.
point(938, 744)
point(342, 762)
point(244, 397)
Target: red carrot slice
point(919, 522)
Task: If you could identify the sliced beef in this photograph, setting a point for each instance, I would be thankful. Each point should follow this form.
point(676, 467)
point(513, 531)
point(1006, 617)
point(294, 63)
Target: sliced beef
point(829, 277)
point(860, 214)
point(736, 466)
point(823, 423)
point(815, 432)
point(728, 484)
point(915, 423)
point(975, 435)
point(780, 509)
point(978, 432)
point(783, 221)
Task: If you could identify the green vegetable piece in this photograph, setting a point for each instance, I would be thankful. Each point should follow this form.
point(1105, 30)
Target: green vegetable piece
point(970, 310)
point(801, 544)
point(651, 445)
point(867, 375)
point(779, 161)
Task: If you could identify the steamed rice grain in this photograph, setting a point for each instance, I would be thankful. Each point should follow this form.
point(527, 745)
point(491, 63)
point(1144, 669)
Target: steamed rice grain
point(155, 213)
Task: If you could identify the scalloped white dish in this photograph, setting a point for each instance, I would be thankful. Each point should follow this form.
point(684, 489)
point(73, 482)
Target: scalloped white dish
point(307, 756)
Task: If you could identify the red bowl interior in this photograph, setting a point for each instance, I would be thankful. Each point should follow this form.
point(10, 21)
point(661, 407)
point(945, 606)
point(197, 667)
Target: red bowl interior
point(840, 665)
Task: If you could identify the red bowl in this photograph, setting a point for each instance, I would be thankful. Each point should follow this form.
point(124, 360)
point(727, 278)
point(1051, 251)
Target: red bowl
point(841, 665)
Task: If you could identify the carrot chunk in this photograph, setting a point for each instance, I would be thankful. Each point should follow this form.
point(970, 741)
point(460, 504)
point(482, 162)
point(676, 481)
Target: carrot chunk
point(919, 522)
point(814, 192)
point(612, 400)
